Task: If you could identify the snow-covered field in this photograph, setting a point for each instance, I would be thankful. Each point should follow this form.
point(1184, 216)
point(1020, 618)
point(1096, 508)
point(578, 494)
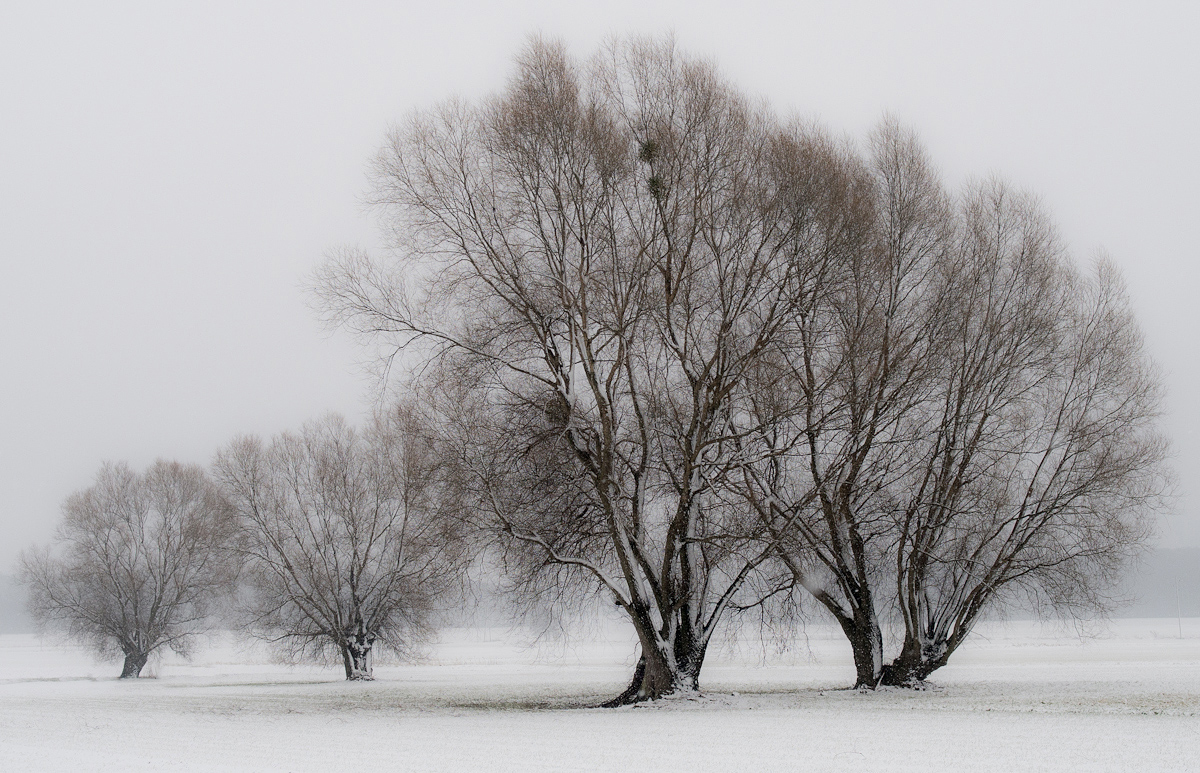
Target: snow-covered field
point(1018, 697)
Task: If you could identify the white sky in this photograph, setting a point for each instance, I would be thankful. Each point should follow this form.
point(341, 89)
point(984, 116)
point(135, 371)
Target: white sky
point(170, 176)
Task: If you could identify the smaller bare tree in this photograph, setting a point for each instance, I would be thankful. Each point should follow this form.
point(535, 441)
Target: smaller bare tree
point(344, 543)
point(138, 560)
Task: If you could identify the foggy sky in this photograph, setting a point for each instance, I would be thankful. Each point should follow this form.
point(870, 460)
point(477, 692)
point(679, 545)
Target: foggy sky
point(169, 177)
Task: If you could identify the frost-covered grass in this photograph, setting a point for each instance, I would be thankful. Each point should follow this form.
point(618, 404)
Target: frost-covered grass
point(1019, 696)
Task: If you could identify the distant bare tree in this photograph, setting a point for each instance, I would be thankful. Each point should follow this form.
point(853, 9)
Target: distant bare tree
point(344, 545)
point(137, 562)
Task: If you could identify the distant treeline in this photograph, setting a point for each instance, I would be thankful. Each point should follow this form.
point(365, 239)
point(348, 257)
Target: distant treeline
point(13, 617)
point(1166, 585)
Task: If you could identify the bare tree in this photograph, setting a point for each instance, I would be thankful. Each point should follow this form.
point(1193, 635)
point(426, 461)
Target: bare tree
point(597, 255)
point(973, 419)
point(857, 363)
point(1042, 464)
point(138, 560)
point(344, 544)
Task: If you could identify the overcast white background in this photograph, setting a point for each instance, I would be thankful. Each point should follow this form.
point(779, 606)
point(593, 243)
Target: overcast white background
point(169, 176)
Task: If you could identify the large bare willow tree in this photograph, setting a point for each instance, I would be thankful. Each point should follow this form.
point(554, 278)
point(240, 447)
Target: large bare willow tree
point(1041, 464)
point(597, 256)
point(974, 420)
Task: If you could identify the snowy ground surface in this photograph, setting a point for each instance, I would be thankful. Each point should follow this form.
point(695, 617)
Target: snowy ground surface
point(1019, 696)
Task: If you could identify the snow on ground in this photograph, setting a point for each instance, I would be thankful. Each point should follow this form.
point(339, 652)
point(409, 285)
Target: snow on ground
point(1019, 696)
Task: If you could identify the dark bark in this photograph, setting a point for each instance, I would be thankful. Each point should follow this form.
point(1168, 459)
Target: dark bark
point(654, 677)
point(631, 693)
point(651, 683)
point(689, 654)
point(866, 643)
point(356, 657)
point(908, 671)
point(917, 660)
point(134, 663)
point(861, 627)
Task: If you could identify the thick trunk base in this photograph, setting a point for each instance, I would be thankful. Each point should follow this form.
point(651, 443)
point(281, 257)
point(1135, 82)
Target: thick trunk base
point(134, 663)
point(918, 659)
point(356, 657)
point(906, 673)
point(866, 644)
point(356, 648)
point(650, 684)
point(630, 695)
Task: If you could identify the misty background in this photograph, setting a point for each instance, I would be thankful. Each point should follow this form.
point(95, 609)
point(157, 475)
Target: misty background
point(1166, 585)
point(170, 176)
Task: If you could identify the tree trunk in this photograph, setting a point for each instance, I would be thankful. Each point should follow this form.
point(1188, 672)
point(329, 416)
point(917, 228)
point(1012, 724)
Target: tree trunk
point(917, 660)
point(631, 693)
point(904, 672)
point(356, 656)
point(854, 610)
point(656, 677)
point(134, 663)
point(866, 643)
